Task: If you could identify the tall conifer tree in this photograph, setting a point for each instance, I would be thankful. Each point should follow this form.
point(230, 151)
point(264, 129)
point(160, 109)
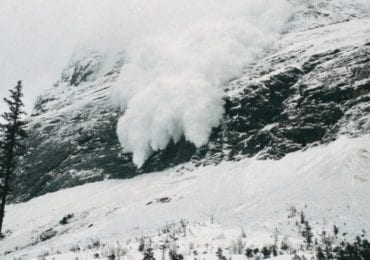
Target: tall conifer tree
point(12, 129)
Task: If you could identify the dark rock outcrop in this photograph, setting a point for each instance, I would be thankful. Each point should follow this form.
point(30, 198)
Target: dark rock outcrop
point(301, 93)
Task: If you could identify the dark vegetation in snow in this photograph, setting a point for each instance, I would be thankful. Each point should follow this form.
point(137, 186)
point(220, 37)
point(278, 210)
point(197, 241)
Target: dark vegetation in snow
point(324, 244)
point(317, 243)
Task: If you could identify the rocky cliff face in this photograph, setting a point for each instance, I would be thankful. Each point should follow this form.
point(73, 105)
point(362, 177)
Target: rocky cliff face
point(311, 86)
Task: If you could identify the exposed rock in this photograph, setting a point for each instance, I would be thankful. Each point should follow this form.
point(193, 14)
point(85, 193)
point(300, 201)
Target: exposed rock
point(304, 91)
point(48, 234)
point(164, 200)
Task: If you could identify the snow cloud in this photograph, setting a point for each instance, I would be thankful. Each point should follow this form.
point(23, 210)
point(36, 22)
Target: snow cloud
point(179, 54)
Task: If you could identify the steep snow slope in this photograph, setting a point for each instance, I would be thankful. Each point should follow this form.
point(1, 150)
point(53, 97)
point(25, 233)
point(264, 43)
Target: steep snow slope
point(309, 87)
point(329, 182)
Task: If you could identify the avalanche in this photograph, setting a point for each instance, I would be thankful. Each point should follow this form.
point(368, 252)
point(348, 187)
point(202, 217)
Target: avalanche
point(178, 60)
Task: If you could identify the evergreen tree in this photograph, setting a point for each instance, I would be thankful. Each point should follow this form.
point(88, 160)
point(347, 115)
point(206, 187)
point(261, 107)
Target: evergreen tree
point(220, 255)
point(307, 234)
point(320, 254)
point(335, 231)
point(12, 133)
point(327, 243)
point(249, 253)
point(175, 256)
point(149, 254)
point(303, 217)
point(266, 252)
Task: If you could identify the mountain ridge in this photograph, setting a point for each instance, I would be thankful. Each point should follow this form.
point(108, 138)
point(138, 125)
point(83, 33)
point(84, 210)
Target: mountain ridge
point(311, 86)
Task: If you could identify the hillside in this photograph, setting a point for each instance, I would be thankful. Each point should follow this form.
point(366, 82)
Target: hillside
point(234, 127)
point(308, 87)
point(330, 183)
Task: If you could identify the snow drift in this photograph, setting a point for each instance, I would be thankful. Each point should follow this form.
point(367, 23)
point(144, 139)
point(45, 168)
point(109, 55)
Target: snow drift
point(179, 55)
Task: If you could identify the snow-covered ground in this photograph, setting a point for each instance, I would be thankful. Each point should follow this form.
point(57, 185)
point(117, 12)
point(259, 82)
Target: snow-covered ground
point(246, 202)
point(329, 182)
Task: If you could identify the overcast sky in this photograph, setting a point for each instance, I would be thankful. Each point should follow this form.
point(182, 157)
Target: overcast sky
point(37, 37)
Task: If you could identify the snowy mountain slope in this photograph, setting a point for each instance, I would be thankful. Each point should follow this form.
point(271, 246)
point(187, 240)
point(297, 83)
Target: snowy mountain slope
point(306, 92)
point(239, 118)
point(329, 182)
point(76, 125)
point(310, 86)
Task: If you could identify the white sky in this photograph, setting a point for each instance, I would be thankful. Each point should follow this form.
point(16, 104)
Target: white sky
point(37, 37)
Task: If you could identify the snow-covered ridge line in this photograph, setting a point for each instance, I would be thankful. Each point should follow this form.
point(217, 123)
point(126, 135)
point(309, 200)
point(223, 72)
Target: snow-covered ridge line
point(317, 74)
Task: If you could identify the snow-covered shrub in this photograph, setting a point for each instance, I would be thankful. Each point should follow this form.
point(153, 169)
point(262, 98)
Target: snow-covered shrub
point(65, 219)
point(220, 255)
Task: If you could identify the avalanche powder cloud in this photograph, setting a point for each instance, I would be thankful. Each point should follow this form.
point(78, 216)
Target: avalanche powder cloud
point(178, 58)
